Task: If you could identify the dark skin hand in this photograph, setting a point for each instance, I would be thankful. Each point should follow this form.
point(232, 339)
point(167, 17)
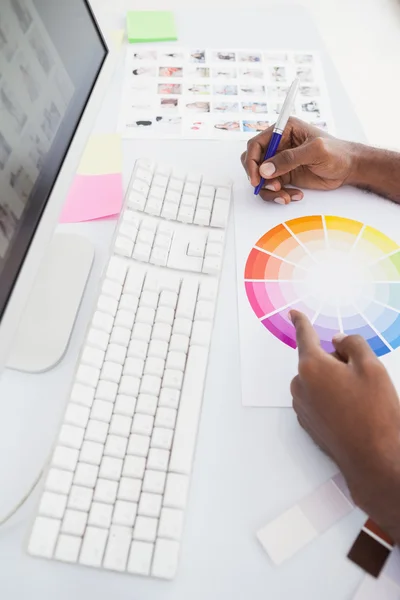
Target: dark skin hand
point(349, 406)
point(311, 158)
point(345, 401)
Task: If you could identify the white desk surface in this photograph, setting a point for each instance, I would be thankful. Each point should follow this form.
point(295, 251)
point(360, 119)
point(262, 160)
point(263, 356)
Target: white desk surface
point(251, 464)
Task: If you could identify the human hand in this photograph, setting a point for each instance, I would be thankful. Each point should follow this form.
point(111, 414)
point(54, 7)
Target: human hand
point(349, 406)
point(307, 157)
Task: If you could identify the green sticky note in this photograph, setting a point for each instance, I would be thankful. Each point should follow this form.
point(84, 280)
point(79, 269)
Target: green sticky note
point(150, 26)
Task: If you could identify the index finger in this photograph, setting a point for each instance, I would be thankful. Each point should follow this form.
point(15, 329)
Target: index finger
point(255, 155)
point(306, 336)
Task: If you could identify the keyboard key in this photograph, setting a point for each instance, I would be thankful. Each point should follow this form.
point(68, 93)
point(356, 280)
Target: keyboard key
point(129, 386)
point(176, 490)
point(189, 411)
point(142, 252)
point(207, 191)
point(205, 202)
point(44, 537)
point(145, 315)
point(170, 210)
point(145, 528)
point(106, 491)
point(169, 397)
point(171, 524)
point(134, 282)
point(204, 311)
point(98, 339)
point(168, 299)
point(111, 288)
point(160, 180)
point(144, 174)
point(93, 357)
point(138, 348)
point(100, 515)
point(187, 299)
point(172, 196)
point(196, 248)
point(158, 459)
point(65, 458)
point(134, 466)
point(138, 444)
point(142, 424)
point(120, 425)
point(96, 431)
point(165, 562)
point(87, 375)
point(101, 410)
point(176, 360)
point(74, 522)
point(125, 318)
point(154, 366)
point(220, 213)
point(185, 214)
point(86, 475)
point(188, 200)
point(182, 326)
point(117, 550)
point(165, 315)
point(223, 193)
point(173, 379)
point(136, 200)
point(52, 505)
point(67, 549)
point(176, 184)
point(121, 336)
point(134, 366)
point(93, 545)
point(140, 186)
point(165, 417)
point(123, 246)
point(124, 513)
point(80, 498)
point(149, 504)
point(191, 188)
point(107, 390)
point(71, 436)
point(111, 468)
point(115, 446)
point(58, 481)
point(116, 270)
point(141, 331)
point(154, 482)
point(202, 216)
point(162, 438)
point(161, 331)
point(159, 256)
point(82, 394)
point(102, 321)
point(128, 230)
point(91, 452)
point(150, 385)
point(140, 558)
point(116, 353)
point(214, 249)
point(158, 349)
point(129, 302)
point(212, 265)
point(154, 204)
point(77, 414)
point(147, 404)
point(125, 405)
point(129, 489)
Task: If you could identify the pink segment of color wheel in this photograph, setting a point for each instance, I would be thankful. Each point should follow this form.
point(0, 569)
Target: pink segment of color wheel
point(283, 272)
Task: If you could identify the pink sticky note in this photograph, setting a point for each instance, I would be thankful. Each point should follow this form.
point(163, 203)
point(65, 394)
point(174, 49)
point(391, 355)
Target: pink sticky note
point(93, 197)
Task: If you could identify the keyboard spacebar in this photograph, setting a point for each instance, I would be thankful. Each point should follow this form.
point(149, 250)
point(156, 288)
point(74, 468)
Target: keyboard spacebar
point(189, 411)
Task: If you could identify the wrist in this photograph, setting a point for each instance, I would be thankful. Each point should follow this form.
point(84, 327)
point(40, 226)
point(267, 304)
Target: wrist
point(359, 159)
point(375, 487)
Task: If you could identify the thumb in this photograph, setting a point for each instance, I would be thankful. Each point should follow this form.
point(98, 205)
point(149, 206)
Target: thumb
point(352, 348)
point(287, 160)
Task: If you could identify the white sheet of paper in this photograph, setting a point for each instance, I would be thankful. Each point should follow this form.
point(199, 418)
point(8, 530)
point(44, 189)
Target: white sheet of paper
point(268, 364)
point(216, 94)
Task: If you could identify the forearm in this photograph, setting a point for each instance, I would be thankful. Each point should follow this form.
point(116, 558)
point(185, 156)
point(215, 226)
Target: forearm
point(376, 170)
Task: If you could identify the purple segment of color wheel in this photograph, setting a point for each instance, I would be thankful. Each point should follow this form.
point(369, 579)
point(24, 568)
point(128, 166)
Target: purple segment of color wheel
point(356, 325)
point(281, 326)
point(386, 321)
point(326, 326)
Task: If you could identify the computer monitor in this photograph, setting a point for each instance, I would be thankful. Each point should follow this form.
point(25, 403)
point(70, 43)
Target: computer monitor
point(53, 75)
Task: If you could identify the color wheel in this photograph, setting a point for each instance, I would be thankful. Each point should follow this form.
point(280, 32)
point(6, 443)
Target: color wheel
point(344, 275)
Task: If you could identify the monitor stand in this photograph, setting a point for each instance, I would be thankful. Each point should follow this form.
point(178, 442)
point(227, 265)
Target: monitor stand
point(49, 316)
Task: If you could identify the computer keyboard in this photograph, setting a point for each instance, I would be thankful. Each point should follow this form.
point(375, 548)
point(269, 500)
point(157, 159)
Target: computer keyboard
point(115, 492)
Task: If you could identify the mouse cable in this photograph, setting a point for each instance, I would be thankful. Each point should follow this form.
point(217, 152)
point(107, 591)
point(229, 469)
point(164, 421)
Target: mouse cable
point(16, 508)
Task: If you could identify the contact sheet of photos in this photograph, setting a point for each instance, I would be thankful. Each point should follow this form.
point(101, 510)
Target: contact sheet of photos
point(31, 107)
point(217, 94)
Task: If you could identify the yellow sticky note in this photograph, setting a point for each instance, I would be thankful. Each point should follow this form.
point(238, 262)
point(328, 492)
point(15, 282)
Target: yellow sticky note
point(102, 155)
point(116, 38)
